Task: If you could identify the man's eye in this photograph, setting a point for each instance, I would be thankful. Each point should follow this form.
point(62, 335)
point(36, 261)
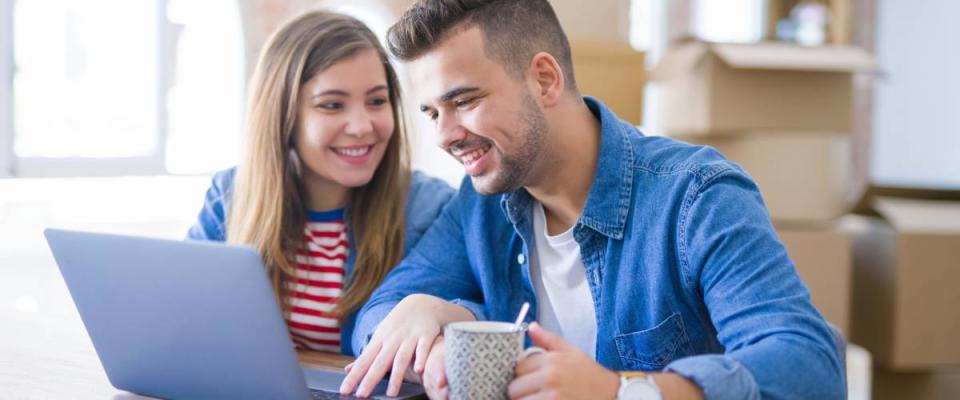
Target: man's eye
point(464, 102)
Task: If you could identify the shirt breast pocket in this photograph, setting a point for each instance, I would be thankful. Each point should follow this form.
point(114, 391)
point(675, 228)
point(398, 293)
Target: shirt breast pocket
point(652, 349)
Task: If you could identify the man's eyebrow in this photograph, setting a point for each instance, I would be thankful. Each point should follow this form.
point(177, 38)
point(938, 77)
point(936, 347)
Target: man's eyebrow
point(457, 91)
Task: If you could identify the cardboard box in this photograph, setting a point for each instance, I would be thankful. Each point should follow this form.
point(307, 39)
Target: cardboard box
point(906, 299)
point(601, 21)
point(706, 89)
point(614, 73)
point(943, 384)
point(824, 261)
point(803, 176)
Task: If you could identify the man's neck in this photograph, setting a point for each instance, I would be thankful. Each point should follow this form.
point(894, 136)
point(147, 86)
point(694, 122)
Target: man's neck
point(573, 147)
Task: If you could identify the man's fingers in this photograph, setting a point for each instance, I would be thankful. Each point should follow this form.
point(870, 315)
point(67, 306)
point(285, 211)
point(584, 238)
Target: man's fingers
point(529, 364)
point(434, 377)
point(524, 386)
point(400, 363)
point(547, 340)
point(434, 370)
point(438, 393)
point(537, 396)
point(378, 369)
point(423, 349)
point(359, 367)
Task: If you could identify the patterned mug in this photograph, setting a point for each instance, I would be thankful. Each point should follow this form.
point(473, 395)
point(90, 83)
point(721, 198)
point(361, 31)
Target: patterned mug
point(481, 357)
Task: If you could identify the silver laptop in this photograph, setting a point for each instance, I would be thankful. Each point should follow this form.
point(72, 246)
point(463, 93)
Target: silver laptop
point(186, 320)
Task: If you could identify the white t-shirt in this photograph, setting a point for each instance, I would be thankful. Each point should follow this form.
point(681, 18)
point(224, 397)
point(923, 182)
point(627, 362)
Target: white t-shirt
point(564, 303)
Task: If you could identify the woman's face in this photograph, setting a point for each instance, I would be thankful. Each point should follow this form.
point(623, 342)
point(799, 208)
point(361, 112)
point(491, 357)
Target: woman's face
point(344, 122)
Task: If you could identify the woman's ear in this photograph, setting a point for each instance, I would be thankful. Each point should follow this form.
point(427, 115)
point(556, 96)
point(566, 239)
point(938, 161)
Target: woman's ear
point(548, 77)
point(294, 160)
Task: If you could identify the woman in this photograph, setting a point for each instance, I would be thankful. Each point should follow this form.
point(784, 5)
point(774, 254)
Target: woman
point(324, 191)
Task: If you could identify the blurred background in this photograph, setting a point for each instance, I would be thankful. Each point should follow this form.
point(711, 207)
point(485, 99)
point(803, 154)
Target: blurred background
point(114, 114)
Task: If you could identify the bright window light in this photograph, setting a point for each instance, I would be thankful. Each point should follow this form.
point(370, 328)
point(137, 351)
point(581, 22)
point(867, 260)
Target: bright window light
point(85, 82)
point(732, 21)
point(205, 103)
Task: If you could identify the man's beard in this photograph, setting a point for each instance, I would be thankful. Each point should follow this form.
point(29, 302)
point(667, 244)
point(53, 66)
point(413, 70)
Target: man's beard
point(515, 168)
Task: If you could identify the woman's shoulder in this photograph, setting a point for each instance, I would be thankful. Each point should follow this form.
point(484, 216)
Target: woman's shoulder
point(223, 179)
point(210, 222)
point(428, 190)
point(428, 195)
point(427, 198)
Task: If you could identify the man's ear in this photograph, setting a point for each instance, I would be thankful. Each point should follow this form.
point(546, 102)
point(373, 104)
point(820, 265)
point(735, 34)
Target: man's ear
point(548, 77)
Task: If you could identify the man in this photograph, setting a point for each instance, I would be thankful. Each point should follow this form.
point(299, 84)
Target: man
point(638, 253)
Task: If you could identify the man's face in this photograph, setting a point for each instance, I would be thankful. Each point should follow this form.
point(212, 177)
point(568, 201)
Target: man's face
point(485, 119)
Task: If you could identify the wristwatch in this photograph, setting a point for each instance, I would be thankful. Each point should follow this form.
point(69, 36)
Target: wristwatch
point(637, 386)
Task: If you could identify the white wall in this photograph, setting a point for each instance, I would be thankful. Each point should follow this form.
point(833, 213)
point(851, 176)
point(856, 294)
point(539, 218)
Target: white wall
point(917, 111)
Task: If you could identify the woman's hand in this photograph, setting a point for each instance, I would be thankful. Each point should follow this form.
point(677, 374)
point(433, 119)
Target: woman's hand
point(406, 334)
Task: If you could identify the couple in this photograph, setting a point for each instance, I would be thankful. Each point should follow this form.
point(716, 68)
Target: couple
point(636, 253)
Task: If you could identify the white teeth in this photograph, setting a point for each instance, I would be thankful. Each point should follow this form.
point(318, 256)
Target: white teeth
point(355, 152)
point(474, 155)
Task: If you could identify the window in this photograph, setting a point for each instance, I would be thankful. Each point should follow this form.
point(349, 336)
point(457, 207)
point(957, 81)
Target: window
point(96, 90)
point(206, 99)
point(734, 21)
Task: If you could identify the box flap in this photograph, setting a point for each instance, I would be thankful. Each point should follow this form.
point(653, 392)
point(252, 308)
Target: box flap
point(870, 192)
point(927, 216)
point(785, 56)
point(679, 60)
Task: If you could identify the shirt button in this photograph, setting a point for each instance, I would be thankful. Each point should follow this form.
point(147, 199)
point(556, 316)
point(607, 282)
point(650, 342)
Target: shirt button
point(521, 258)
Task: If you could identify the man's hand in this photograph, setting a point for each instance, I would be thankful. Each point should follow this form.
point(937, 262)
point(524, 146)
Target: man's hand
point(563, 372)
point(406, 334)
point(434, 373)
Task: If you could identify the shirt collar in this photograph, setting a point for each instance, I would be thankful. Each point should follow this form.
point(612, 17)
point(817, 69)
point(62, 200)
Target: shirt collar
point(609, 200)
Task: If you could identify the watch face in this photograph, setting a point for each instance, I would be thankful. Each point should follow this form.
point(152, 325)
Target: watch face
point(639, 389)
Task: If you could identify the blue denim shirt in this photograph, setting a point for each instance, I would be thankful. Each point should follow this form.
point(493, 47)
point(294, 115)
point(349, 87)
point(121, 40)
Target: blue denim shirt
point(684, 266)
point(427, 197)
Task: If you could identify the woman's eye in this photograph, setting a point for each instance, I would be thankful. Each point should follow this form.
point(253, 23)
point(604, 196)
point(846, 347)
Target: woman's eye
point(378, 102)
point(330, 106)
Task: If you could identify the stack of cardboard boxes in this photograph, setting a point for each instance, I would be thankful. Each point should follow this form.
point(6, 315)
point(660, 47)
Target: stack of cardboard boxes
point(785, 114)
point(613, 72)
point(906, 305)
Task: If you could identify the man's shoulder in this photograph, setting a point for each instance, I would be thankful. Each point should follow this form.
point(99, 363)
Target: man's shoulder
point(670, 158)
point(473, 203)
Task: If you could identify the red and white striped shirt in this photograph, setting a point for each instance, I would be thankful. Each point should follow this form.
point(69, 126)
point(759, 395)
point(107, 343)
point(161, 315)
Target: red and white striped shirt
point(317, 289)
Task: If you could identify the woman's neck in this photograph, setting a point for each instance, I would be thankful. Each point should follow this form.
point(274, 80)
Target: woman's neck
point(323, 194)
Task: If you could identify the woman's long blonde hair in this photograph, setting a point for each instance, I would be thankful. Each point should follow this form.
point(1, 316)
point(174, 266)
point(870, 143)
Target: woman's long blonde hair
point(268, 206)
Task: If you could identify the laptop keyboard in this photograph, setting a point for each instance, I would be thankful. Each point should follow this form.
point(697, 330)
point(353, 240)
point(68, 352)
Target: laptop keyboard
point(321, 395)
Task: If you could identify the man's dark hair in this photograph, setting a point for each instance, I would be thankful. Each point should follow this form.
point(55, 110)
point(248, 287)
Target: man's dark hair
point(513, 31)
